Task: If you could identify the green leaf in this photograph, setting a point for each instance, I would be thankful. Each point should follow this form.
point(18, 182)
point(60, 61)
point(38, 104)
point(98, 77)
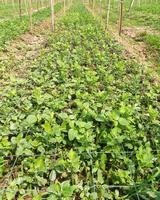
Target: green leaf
point(123, 121)
point(10, 194)
point(40, 164)
point(103, 161)
point(41, 181)
point(37, 94)
point(54, 188)
point(72, 134)
point(37, 197)
point(52, 175)
point(100, 176)
point(67, 189)
point(47, 127)
point(145, 156)
point(31, 119)
point(74, 160)
point(52, 196)
point(72, 155)
point(12, 126)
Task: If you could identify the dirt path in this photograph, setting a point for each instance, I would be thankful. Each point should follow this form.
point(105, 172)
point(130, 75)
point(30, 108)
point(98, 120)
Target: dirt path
point(19, 55)
point(131, 48)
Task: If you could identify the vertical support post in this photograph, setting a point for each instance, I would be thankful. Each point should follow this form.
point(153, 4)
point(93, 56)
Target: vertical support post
point(30, 16)
point(120, 17)
point(131, 5)
point(100, 9)
point(37, 3)
point(13, 4)
point(26, 6)
point(93, 6)
point(20, 8)
point(52, 15)
point(108, 12)
point(64, 6)
point(42, 3)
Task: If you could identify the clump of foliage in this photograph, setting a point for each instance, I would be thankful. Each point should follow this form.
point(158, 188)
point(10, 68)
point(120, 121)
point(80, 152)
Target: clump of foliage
point(84, 124)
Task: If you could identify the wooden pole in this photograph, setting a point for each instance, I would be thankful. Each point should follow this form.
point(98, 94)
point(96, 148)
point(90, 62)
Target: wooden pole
point(30, 15)
point(37, 3)
point(42, 3)
point(120, 17)
point(20, 8)
point(26, 6)
point(108, 12)
point(93, 4)
point(100, 9)
point(52, 15)
point(64, 6)
point(13, 4)
point(131, 5)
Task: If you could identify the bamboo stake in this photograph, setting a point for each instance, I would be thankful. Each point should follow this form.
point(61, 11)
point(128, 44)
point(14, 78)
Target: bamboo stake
point(37, 3)
point(100, 9)
point(64, 6)
point(93, 5)
point(108, 12)
point(30, 15)
point(26, 6)
point(20, 8)
point(42, 3)
point(131, 5)
point(13, 4)
point(52, 15)
point(120, 17)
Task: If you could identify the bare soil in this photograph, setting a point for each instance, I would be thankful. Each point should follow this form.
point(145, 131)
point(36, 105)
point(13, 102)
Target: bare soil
point(134, 31)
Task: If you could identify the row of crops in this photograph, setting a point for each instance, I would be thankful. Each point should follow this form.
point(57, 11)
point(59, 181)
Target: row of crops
point(13, 8)
point(11, 29)
point(137, 19)
point(135, 12)
point(84, 124)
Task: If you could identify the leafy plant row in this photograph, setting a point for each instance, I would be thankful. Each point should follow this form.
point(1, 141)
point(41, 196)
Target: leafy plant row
point(11, 29)
point(84, 124)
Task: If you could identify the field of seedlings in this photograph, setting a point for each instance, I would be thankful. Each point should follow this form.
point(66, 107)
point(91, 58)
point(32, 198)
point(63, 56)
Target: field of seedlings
point(79, 113)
